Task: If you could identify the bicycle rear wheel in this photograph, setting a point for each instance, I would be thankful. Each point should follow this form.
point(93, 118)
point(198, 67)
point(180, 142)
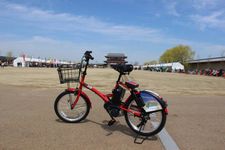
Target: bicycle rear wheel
point(154, 124)
point(64, 111)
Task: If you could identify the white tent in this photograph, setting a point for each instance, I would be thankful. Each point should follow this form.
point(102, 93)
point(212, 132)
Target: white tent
point(174, 66)
point(19, 62)
point(25, 61)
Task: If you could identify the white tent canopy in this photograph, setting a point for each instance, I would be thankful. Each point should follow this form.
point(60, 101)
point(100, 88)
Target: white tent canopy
point(173, 65)
point(24, 61)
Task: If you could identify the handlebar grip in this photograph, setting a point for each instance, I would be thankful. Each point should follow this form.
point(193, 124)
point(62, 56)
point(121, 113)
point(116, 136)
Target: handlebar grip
point(87, 52)
point(87, 55)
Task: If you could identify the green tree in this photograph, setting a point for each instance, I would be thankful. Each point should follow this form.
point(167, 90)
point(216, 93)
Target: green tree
point(180, 53)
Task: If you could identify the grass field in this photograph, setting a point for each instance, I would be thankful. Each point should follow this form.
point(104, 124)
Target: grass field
point(104, 79)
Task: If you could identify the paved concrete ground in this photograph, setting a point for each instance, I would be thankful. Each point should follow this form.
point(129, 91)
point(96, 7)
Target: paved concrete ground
point(28, 121)
point(197, 122)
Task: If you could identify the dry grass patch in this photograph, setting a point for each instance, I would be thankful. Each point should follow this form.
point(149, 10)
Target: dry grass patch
point(104, 79)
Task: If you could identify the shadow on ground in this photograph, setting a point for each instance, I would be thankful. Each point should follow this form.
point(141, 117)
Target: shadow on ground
point(118, 127)
point(123, 129)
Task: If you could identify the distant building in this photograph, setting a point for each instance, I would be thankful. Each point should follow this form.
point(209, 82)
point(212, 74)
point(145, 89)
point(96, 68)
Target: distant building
point(115, 58)
point(216, 63)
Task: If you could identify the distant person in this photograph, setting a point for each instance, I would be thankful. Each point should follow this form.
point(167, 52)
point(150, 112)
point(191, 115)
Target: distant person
point(220, 73)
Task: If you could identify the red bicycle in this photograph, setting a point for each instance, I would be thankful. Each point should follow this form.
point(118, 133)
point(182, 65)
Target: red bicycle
point(145, 111)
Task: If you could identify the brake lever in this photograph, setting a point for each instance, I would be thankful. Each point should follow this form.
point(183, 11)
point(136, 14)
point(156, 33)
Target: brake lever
point(92, 58)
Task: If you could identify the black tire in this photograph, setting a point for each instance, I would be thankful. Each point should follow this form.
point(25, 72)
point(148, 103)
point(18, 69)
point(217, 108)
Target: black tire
point(63, 116)
point(136, 129)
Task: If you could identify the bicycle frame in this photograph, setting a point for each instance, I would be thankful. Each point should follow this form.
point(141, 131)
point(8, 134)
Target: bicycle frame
point(104, 97)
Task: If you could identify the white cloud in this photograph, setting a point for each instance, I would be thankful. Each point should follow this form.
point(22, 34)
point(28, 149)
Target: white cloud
point(47, 47)
point(205, 4)
point(51, 20)
point(16, 7)
point(43, 39)
point(172, 10)
point(214, 20)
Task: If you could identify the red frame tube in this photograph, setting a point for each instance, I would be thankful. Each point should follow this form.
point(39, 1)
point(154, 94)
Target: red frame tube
point(104, 97)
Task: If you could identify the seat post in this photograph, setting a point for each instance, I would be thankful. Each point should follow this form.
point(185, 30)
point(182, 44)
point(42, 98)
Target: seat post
point(119, 77)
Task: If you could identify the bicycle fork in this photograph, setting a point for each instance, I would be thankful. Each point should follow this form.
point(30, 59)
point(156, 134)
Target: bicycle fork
point(73, 104)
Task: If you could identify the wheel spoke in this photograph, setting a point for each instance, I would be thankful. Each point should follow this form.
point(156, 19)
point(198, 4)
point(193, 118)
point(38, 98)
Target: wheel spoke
point(153, 121)
point(75, 114)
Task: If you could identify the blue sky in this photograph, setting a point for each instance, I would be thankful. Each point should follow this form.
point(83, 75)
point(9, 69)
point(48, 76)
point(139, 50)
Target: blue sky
point(142, 29)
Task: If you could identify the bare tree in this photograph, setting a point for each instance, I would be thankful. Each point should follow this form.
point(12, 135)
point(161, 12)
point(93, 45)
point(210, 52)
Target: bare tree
point(222, 53)
point(136, 63)
point(9, 55)
point(152, 62)
point(198, 56)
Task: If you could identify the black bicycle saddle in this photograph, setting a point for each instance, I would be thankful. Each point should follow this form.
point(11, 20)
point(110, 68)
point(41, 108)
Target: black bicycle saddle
point(123, 68)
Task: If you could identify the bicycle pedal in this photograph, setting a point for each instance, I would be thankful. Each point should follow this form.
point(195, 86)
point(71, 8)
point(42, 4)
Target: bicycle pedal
point(111, 122)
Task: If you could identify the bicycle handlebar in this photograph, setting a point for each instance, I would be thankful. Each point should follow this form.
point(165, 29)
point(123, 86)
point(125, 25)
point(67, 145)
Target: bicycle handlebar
point(88, 56)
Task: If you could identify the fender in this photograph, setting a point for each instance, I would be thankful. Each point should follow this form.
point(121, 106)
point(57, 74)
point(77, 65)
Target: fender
point(158, 98)
point(73, 90)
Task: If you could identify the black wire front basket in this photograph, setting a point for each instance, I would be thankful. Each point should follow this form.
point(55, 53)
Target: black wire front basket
point(68, 75)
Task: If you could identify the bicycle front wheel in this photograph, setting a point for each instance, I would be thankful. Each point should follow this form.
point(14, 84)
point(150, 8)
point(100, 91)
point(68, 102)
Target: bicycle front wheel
point(154, 124)
point(64, 111)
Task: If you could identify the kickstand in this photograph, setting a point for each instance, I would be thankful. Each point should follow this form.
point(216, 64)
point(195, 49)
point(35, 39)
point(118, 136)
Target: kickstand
point(112, 121)
point(143, 138)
